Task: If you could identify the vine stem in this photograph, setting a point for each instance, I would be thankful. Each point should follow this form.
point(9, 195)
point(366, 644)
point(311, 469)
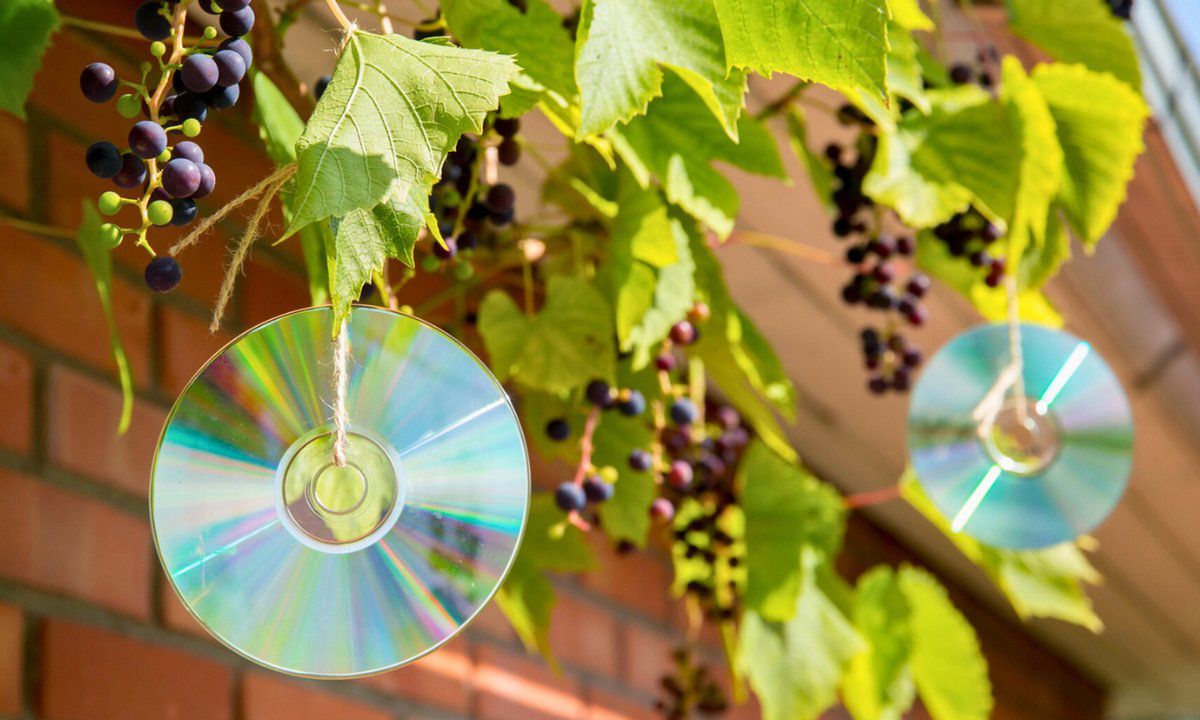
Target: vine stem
point(586, 448)
point(857, 501)
point(1014, 346)
point(783, 102)
point(789, 247)
point(336, 9)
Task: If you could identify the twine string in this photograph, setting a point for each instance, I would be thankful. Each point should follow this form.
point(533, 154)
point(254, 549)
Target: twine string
point(341, 419)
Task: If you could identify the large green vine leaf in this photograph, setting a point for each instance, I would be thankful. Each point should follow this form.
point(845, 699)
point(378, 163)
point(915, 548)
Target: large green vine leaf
point(839, 43)
point(677, 141)
point(280, 127)
point(1078, 31)
point(527, 597)
point(651, 271)
point(393, 110)
point(1039, 583)
point(947, 663)
point(795, 667)
point(558, 349)
point(98, 258)
point(26, 26)
point(1099, 121)
point(787, 510)
point(625, 515)
point(909, 15)
point(878, 684)
point(621, 45)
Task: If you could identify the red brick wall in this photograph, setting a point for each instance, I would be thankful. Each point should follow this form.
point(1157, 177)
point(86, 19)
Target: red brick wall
point(90, 630)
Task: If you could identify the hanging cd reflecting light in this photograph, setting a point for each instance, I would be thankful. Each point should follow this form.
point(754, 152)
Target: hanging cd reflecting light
point(316, 570)
point(1021, 472)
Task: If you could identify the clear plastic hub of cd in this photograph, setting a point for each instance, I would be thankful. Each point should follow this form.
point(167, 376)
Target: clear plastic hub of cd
point(325, 569)
point(1027, 460)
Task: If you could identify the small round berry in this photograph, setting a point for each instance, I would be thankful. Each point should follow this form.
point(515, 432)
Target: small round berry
point(464, 270)
point(882, 246)
point(98, 82)
point(979, 258)
point(855, 254)
point(508, 152)
point(683, 412)
point(599, 393)
point(188, 150)
point(640, 460)
point(110, 236)
point(700, 313)
point(904, 245)
point(727, 417)
point(664, 362)
point(961, 74)
point(569, 497)
point(208, 181)
point(447, 252)
point(147, 139)
point(181, 178)
point(917, 285)
point(163, 274)
point(901, 380)
point(680, 474)
point(231, 67)
point(878, 385)
point(506, 127)
point(558, 430)
point(501, 198)
point(596, 489)
point(237, 23)
point(917, 316)
point(662, 510)
point(184, 211)
point(109, 203)
point(912, 357)
point(103, 159)
point(883, 272)
point(157, 49)
point(633, 405)
point(223, 98)
point(239, 46)
point(189, 105)
point(160, 212)
point(191, 127)
point(129, 106)
point(133, 171)
point(683, 333)
point(150, 22)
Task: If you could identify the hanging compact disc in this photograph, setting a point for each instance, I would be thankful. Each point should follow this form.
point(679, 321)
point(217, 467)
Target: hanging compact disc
point(322, 570)
point(1020, 469)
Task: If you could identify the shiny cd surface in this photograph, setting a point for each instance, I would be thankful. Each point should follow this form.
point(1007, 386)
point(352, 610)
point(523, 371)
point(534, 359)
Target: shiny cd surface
point(325, 571)
point(1020, 471)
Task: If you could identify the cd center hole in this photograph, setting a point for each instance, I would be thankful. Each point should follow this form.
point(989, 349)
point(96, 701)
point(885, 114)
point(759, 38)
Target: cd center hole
point(339, 490)
point(1022, 442)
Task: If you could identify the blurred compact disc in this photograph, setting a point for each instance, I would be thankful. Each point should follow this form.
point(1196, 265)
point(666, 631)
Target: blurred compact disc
point(324, 571)
point(1020, 472)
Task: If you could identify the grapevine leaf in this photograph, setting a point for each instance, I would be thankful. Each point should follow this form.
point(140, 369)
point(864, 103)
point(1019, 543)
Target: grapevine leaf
point(904, 69)
point(878, 684)
point(26, 26)
point(992, 303)
point(1039, 583)
point(909, 15)
point(626, 514)
point(99, 260)
point(787, 510)
point(839, 43)
point(677, 141)
point(795, 667)
point(623, 43)
point(1036, 245)
point(1078, 31)
point(1100, 122)
point(651, 271)
point(947, 664)
point(280, 127)
point(527, 597)
point(535, 35)
point(737, 359)
point(820, 174)
point(392, 111)
point(933, 166)
point(557, 350)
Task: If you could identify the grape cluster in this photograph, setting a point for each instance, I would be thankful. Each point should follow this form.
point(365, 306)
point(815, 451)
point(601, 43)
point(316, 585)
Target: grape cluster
point(878, 282)
point(1121, 8)
point(690, 688)
point(169, 172)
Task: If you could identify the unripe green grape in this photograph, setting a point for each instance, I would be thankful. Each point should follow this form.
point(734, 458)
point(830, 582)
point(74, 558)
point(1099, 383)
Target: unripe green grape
point(464, 271)
point(160, 212)
point(210, 32)
point(145, 68)
point(164, 156)
point(109, 203)
point(110, 235)
point(430, 264)
point(609, 474)
point(128, 106)
point(191, 127)
point(158, 49)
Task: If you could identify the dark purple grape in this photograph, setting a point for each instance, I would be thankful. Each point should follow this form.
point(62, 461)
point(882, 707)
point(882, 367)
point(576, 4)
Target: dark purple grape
point(961, 74)
point(877, 384)
point(98, 82)
point(188, 150)
point(237, 23)
point(451, 248)
point(500, 219)
point(222, 98)
point(190, 105)
point(633, 405)
point(683, 412)
point(904, 245)
point(640, 460)
point(167, 108)
point(132, 173)
point(210, 6)
point(208, 181)
point(918, 285)
point(662, 510)
point(181, 178)
point(664, 361)
point(147, 139)
point(570, 497)
point(558, 430)
point(231, 67)
point(103, 159)
point(467, 240)
point(241, 47)
point(599, 393)
point(150, 22)
point(184, 211)
point(680, 474)
point(508, 152)
point(507, 127)
point(200, 73)
point(596, 489)
point(501, 198)
point(233, 4)
point(321, 86)
point(163, 274)
point(727, 417)
point(683, 333)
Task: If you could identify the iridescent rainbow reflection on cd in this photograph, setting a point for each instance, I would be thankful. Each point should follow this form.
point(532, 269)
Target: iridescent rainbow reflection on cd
point(1041, 469)
point(324, 571)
